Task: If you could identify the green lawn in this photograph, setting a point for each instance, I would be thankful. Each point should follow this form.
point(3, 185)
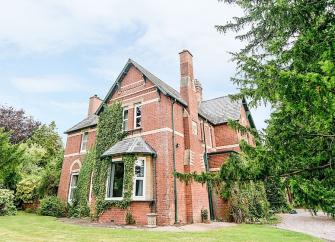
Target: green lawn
point(30, 227)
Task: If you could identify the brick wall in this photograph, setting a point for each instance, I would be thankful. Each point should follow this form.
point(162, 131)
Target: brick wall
point(138, 209)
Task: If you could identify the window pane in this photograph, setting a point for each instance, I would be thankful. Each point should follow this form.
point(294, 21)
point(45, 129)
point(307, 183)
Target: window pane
point(84, 141)
point(125, 124)
point(118, 179)
point(139, 188)
point(125, 114)
point(138, 111)
point(138, 122)
point(74, 180)
point(139, 168)
point(110, 181)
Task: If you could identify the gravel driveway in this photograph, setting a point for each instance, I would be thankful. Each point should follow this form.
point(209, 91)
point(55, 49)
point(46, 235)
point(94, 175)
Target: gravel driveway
point(319, 226)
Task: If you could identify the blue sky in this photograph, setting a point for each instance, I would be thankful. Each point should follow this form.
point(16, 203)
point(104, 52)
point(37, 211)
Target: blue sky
point(55, 54)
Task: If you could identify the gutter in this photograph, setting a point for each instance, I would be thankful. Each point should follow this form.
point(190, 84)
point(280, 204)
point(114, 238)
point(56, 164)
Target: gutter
point(174, 167)
point(209, 187)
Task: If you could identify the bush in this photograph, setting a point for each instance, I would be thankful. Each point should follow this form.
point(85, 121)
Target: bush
point(7, 206)
point(129, 218)
point(27, 189)
point(77, 211)
point(52, 206)
point(204, 215)
point(248, 203)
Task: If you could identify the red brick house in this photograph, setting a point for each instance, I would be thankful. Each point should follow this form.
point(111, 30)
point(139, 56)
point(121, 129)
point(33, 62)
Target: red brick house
point(167, 130)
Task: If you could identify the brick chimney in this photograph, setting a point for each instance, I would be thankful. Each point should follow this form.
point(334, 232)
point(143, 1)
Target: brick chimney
point(198, 90)
point(187, 82)
point(94, 103)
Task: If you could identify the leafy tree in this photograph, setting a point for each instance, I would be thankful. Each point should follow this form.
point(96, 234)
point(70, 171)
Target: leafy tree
point(289, 62)
point(43, 157)
point(15, 121)
point(11, 156)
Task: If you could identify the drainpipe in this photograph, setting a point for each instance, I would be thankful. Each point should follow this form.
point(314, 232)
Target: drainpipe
point(174, 167)
point(209, 187)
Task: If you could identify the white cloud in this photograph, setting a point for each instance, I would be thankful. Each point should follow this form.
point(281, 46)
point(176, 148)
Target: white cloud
point(150, 31)
point(47, 84)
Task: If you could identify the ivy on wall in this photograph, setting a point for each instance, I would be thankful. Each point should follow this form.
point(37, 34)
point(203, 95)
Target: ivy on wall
point(109, 132)
point(80, 206)
point(101, 203)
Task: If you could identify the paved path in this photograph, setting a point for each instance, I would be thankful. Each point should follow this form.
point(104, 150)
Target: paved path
point(319, 226)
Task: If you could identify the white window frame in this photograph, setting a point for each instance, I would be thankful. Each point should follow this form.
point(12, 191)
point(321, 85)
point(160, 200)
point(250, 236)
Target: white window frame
point(123, 119)
point(69, 200)
point(82, 148)
point(140, 178)
point(112, 180)
point(90, 194)
point(135, 115)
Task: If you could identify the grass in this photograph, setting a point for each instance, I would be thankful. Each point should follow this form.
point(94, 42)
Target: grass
point(31, 227)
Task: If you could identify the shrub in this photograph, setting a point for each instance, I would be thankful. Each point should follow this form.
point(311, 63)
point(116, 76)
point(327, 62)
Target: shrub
point(204, 215)
point(7, 206)
point(248, 203)
point(129, 218)
point(52, 206)
point(27, 189)
point(78, 211)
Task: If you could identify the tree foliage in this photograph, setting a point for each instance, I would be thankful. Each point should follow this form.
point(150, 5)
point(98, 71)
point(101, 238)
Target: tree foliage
point(11, 156)
point(289, 62)
point(16, 122)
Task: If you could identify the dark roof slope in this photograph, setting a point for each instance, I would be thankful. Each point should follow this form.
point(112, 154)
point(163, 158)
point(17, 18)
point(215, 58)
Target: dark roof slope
point(162, 86)
point(220, 110)
point(130, 146)
point(89, 121)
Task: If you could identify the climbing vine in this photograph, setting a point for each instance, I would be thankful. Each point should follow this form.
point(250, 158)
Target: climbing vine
point(101, 203)
point(80, 206)
point(109, 132)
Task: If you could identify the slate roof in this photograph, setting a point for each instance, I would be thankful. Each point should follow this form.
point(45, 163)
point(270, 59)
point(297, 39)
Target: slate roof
point(220, 110)
point(130, 146)
point(89, 121)
point(162, 86)
point(217, 110)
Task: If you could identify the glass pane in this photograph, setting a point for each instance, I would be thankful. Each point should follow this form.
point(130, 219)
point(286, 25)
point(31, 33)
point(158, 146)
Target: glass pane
point(139, 188)
point(139, 168)
point(125, 125)
point(109, 183)
point(125, 114)
point(138, 122)
point(118, 179)
point(71, 194)
point(74, 180)
point(138, 111)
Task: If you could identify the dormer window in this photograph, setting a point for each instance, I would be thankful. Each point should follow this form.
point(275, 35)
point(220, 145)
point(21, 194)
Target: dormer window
point(84, 140)
point(125, 119)
point(137, 116)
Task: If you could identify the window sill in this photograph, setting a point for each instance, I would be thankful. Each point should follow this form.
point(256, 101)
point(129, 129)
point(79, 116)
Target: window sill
point(114, 199)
